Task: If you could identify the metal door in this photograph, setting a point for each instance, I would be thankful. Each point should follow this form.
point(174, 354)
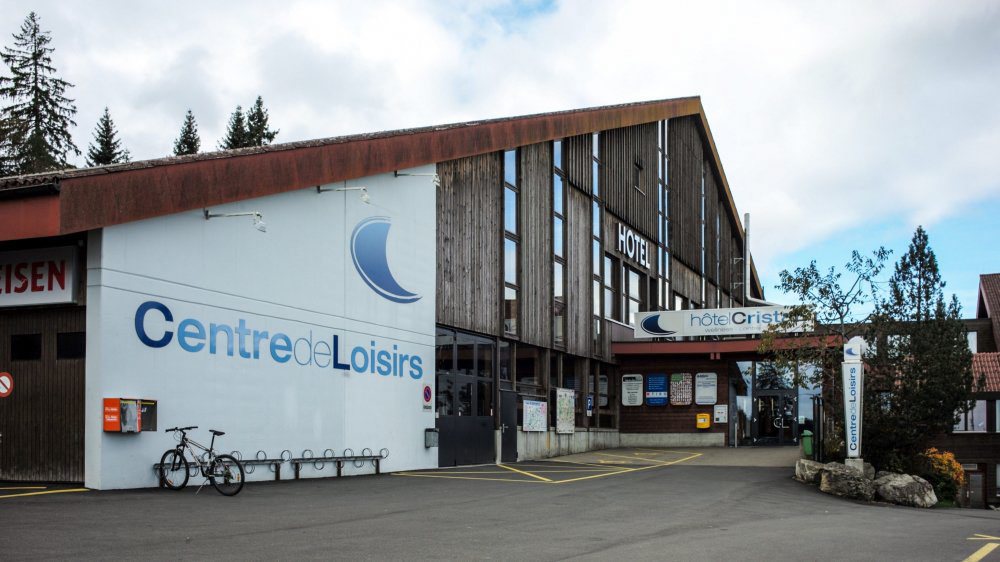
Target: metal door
point(41, 420)
point(976, 495)
point(508, 426)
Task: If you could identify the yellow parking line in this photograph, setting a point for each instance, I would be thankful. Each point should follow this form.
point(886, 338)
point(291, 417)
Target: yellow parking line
point(464, 472)
point(629, 458)
point(43, 493)
point(624, 470)
point(584, 464)
point(542, 478)
point(982, 552)
point(25, 488)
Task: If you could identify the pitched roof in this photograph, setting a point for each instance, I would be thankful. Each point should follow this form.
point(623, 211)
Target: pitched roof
point(68, 201)
point(988, 304)
point(987, 365)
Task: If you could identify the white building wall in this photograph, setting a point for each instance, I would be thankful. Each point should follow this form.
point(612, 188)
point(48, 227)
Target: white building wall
point(297, 279)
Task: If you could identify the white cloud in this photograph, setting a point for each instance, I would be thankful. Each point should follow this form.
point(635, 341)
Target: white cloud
point(826, 115)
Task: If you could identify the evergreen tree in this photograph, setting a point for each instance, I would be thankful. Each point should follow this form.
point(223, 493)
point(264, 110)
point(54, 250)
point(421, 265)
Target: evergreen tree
point(37, 115)
point(236, 132)
point(188, 142)
point(919, 374)
point(258, 131)
point(107, 147)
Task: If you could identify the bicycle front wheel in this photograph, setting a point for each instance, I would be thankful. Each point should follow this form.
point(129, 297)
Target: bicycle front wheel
point(173, 470)
point(226, 474)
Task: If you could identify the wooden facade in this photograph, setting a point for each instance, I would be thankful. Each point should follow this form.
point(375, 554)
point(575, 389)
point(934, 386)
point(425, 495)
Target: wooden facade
point(42, 421)
point(629, 176)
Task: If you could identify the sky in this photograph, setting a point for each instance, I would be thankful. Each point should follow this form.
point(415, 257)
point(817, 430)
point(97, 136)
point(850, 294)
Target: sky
point(840, 125)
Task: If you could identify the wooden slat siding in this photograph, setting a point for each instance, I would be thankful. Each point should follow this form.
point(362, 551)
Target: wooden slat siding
point(578, 159)
point(470, 244)
point(737, 248)
point(725, 252)
point(710, 300)
point(579, 285)
point(535, 183)
point(686, 160)
point(42, 421)
point(620, 150)
point(685, 281)
point(711, 228)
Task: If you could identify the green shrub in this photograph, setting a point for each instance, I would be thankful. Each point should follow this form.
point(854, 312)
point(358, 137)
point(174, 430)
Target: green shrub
point(943, 472)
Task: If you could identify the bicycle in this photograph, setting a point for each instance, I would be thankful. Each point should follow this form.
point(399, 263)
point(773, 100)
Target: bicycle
point(223, 471)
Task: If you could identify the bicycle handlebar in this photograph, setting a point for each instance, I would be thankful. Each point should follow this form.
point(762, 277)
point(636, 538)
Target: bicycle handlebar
point(182, 428)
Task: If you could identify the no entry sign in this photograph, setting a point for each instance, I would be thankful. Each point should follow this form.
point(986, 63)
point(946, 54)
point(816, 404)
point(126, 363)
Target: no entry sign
point(6, 384)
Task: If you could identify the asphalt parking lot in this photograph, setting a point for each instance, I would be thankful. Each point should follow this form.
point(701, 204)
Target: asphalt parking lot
point(645, 504)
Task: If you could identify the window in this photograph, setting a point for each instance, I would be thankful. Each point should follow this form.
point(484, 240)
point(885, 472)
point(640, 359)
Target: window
point(596, 166)
point(558, 247)
point(972, 421)
point(663, 222)
point(631, 294)
point(612, 289)
point(26, 347)
point(512, 241)
point(596, 233)
point(71, 345)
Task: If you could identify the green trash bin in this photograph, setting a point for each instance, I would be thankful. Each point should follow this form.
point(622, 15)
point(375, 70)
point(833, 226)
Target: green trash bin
point(807, 443)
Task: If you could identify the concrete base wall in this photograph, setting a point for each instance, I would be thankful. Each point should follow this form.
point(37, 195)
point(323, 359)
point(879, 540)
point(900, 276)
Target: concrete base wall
point(542, 445)
point(672, 439)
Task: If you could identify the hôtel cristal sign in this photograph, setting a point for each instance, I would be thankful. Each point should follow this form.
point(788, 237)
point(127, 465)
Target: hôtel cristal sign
point(715, 322)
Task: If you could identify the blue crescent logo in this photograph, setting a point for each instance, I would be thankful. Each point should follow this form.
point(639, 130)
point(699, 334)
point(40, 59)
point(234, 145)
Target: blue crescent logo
point(851, 351)
point(652, 325)
point(368, 249)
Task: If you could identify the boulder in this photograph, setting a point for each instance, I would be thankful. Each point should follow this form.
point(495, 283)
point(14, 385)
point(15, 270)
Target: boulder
point(839, 480)
point(807, 470)
point(904, 489)
point(869, 471)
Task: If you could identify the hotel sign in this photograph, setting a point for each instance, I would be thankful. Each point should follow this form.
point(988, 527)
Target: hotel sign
point(714, 322)
point(633, 246)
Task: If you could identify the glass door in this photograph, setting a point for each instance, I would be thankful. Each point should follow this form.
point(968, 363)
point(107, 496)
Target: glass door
point(775, 418)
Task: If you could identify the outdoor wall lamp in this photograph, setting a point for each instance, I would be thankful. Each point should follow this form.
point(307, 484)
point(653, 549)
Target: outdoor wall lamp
point(365, 198)
point(437, 179)
point(258, 217)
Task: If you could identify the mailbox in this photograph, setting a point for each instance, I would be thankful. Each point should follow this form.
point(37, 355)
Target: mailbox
point(704, 421)
point(129, 415)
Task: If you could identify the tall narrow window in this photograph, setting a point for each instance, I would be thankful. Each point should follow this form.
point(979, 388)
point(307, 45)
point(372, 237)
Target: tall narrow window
point(511, 242)
point(663, 222)
point(558, 247)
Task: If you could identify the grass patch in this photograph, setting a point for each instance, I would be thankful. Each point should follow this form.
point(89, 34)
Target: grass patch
point(945, 503)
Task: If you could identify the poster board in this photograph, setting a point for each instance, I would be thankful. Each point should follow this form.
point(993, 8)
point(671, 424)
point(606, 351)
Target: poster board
point(681, 389)
point(536, 416)
point(631, 390)
point(656, 389)
point(706, 390)
point(565, 410)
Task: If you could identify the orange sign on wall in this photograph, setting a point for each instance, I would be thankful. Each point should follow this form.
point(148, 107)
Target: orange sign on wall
point(112, 414)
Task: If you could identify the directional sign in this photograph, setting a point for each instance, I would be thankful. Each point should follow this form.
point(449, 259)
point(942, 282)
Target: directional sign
point(6, 384)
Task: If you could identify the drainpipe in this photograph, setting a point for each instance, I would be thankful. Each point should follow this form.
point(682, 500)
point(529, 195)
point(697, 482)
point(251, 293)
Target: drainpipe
point(746, 265)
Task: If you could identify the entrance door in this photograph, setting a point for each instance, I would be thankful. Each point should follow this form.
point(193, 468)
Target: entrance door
point(41, 420)
point(775, 418)
point(976, 490)
point(508, 426)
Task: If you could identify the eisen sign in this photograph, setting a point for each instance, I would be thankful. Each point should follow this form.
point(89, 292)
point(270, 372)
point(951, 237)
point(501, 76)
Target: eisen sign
point(44, 276)
point(714, 322)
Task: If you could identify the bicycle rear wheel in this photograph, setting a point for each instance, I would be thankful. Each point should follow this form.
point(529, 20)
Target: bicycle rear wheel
point(226, 474)
point(173, 470)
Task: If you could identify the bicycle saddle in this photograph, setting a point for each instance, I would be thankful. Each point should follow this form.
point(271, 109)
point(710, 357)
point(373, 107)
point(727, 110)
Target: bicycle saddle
point(217, 432)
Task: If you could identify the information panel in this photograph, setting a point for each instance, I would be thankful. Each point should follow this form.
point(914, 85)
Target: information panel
point(656, 390)
point(631, 390)
point(681, 389)
point(565, 410)
point(706, 388)
point(536, 416)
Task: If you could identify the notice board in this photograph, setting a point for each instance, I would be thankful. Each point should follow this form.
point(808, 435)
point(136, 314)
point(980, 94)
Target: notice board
point(656, 389)
point(631, 390)
point(565, 410)
point(536, 416)
point(706, 388)
point(681, 389)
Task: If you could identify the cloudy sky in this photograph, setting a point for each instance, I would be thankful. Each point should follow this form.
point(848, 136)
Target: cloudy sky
point(841, 125)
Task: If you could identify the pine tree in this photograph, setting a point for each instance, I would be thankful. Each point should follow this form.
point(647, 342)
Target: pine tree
point(188, 142)
point(258, 131)
point(920, 372)
point(236, 133)
point(37, 116)
point(107, 147)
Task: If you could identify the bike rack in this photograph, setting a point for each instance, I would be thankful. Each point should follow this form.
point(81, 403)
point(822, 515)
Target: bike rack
point(308, 457)
point(330, 456)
